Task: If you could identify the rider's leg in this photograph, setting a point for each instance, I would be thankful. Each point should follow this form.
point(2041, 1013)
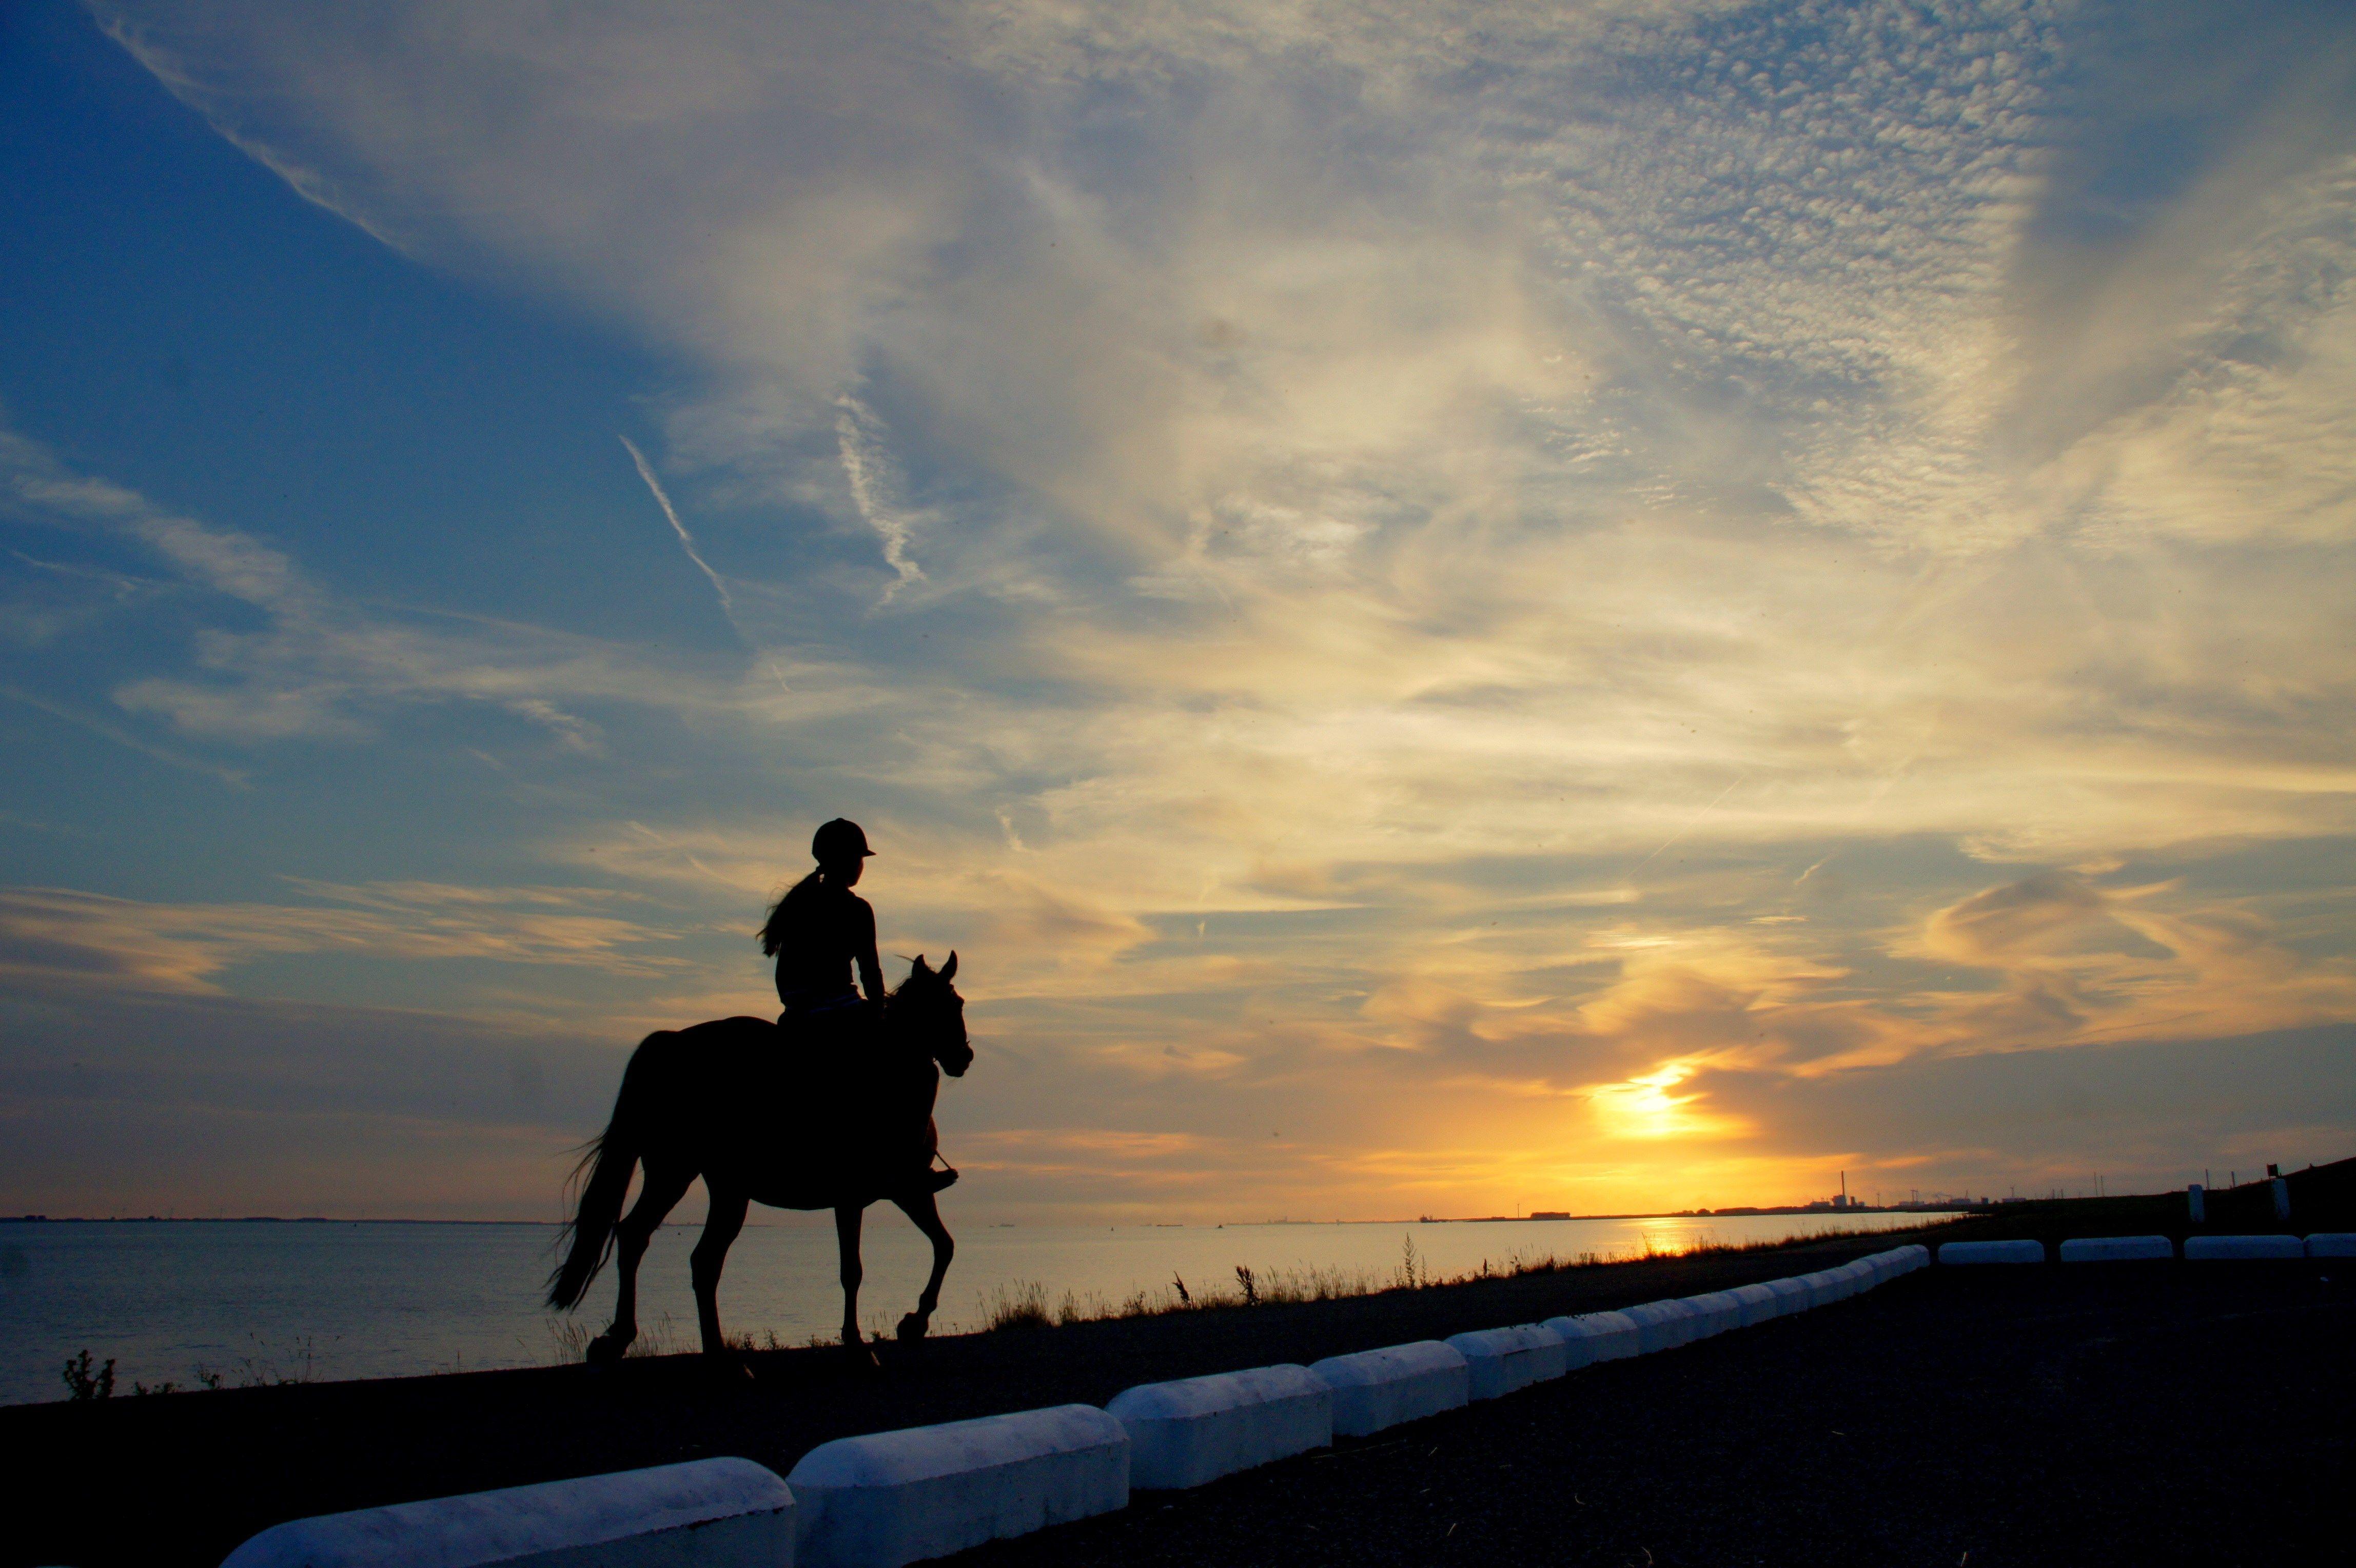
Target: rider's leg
point(929, 1148)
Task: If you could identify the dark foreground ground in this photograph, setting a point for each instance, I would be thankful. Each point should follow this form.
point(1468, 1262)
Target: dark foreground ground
point(2044, 1415)
point(2126, 1413)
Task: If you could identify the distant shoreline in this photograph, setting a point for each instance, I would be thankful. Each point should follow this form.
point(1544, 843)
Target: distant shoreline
point(1544, 1218)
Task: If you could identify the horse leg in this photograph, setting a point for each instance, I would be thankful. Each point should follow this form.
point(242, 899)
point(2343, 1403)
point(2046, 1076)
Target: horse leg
point(926, 1216)
point(658, 1194)
point(846, 1235)
point(725, 1218)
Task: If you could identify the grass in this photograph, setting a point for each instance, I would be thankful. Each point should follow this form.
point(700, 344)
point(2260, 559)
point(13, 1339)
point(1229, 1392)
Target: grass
point(568, 1340)
point(1027, 1305)
point(87, 1380)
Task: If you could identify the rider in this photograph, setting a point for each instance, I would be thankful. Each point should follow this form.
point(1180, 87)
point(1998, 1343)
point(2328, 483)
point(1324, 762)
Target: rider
point(817, 933)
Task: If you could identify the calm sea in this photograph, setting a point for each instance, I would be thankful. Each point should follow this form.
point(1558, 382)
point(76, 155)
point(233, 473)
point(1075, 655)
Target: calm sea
point(258, 1299)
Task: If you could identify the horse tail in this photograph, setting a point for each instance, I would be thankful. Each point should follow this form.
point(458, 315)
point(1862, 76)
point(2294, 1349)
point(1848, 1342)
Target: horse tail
point(603, 1179)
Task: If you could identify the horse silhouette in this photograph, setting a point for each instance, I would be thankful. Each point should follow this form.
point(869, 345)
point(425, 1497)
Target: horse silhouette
point(818, 1123)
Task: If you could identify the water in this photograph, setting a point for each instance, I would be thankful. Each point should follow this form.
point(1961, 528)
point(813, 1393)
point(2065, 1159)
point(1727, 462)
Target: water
point(255, 1300)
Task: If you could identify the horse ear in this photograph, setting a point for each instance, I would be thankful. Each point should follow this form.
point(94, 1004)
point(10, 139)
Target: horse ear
point(918, 967)
point(948, 969)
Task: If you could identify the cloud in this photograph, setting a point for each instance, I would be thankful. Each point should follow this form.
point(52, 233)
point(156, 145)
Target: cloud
point(1363, 557)
point(53, 935)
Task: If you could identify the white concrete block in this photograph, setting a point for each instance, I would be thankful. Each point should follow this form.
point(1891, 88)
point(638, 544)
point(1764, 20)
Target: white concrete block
point(1595, 1336)
point(1195, 1430)
point(2116, 1249)
point(1714, 1312)
point(1822, 1289)
point(1660, 1325)
point(1499, 1361)
point(1953, 1252)
point(709, 1513)
point(1757, 1303)
point(1376, 1388)
point(2333, 1244)
point(1791, 1296)
point(2212, 1247)
point(889, 1498)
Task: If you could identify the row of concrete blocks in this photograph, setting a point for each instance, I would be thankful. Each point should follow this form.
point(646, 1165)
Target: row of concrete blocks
point(894, 1498)
point(2138, 1248)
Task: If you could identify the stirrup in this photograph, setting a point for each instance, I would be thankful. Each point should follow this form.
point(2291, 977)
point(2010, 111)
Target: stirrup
point(938, 1180)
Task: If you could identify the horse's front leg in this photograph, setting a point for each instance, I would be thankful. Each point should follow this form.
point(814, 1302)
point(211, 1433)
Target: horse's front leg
point(926, 1216)
point(721, 1224)
point(846, 1236)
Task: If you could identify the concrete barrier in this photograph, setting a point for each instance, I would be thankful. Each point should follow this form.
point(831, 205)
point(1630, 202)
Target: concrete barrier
point(1598, 1336)
point(2116, 1249)
point(890, 1497)
point(708, 1513)
point(1791, 1296)
point(1822, 1289)
point(1376, 1388)
point(1714, 1312)
point(2209, 1249)
point(2196, 1204)
point(1660, 1325)
point(2333, 1244)
point(1757, 1303)
point(1954, 1252)
point(1499, 1361)
point(1195, 1430)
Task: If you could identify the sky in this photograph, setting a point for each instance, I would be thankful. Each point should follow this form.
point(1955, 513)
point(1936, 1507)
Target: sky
point(1455, 608)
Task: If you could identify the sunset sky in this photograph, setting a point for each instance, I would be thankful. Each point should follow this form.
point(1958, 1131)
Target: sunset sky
point(1455, 607)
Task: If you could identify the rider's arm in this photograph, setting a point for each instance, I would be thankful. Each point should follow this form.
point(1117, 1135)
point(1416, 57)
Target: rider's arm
point(863, 951)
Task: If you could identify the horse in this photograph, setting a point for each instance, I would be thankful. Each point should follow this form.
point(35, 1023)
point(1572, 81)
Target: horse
point(732, 1101)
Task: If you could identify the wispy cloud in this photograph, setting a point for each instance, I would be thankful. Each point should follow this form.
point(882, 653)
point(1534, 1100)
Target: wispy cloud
point(1354, 481)
point(874, 484)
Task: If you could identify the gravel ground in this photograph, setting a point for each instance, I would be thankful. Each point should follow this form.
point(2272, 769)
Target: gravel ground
point(2124, 1414)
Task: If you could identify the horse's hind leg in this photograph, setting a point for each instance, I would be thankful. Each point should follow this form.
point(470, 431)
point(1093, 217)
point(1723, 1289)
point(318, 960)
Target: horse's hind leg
point(725, 1218)
point(926, 1215)
point(659, 1191)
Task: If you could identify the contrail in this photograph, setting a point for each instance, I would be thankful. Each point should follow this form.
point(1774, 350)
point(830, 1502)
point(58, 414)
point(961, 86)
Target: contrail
point(686, 540)
point(1690, 827)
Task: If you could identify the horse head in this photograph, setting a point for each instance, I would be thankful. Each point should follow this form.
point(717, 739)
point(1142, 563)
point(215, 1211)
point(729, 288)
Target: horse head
point(928, 1006)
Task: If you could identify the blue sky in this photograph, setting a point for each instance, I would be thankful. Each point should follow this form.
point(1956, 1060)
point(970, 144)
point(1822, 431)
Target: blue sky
point(1453, 606)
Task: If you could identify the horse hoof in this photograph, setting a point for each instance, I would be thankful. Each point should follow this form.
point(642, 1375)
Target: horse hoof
point(861, 1360)
point(603, 1351)
point(728, 1368)
point(912, 1328)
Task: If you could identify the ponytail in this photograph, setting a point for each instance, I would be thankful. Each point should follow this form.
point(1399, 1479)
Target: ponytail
point(774, 929)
